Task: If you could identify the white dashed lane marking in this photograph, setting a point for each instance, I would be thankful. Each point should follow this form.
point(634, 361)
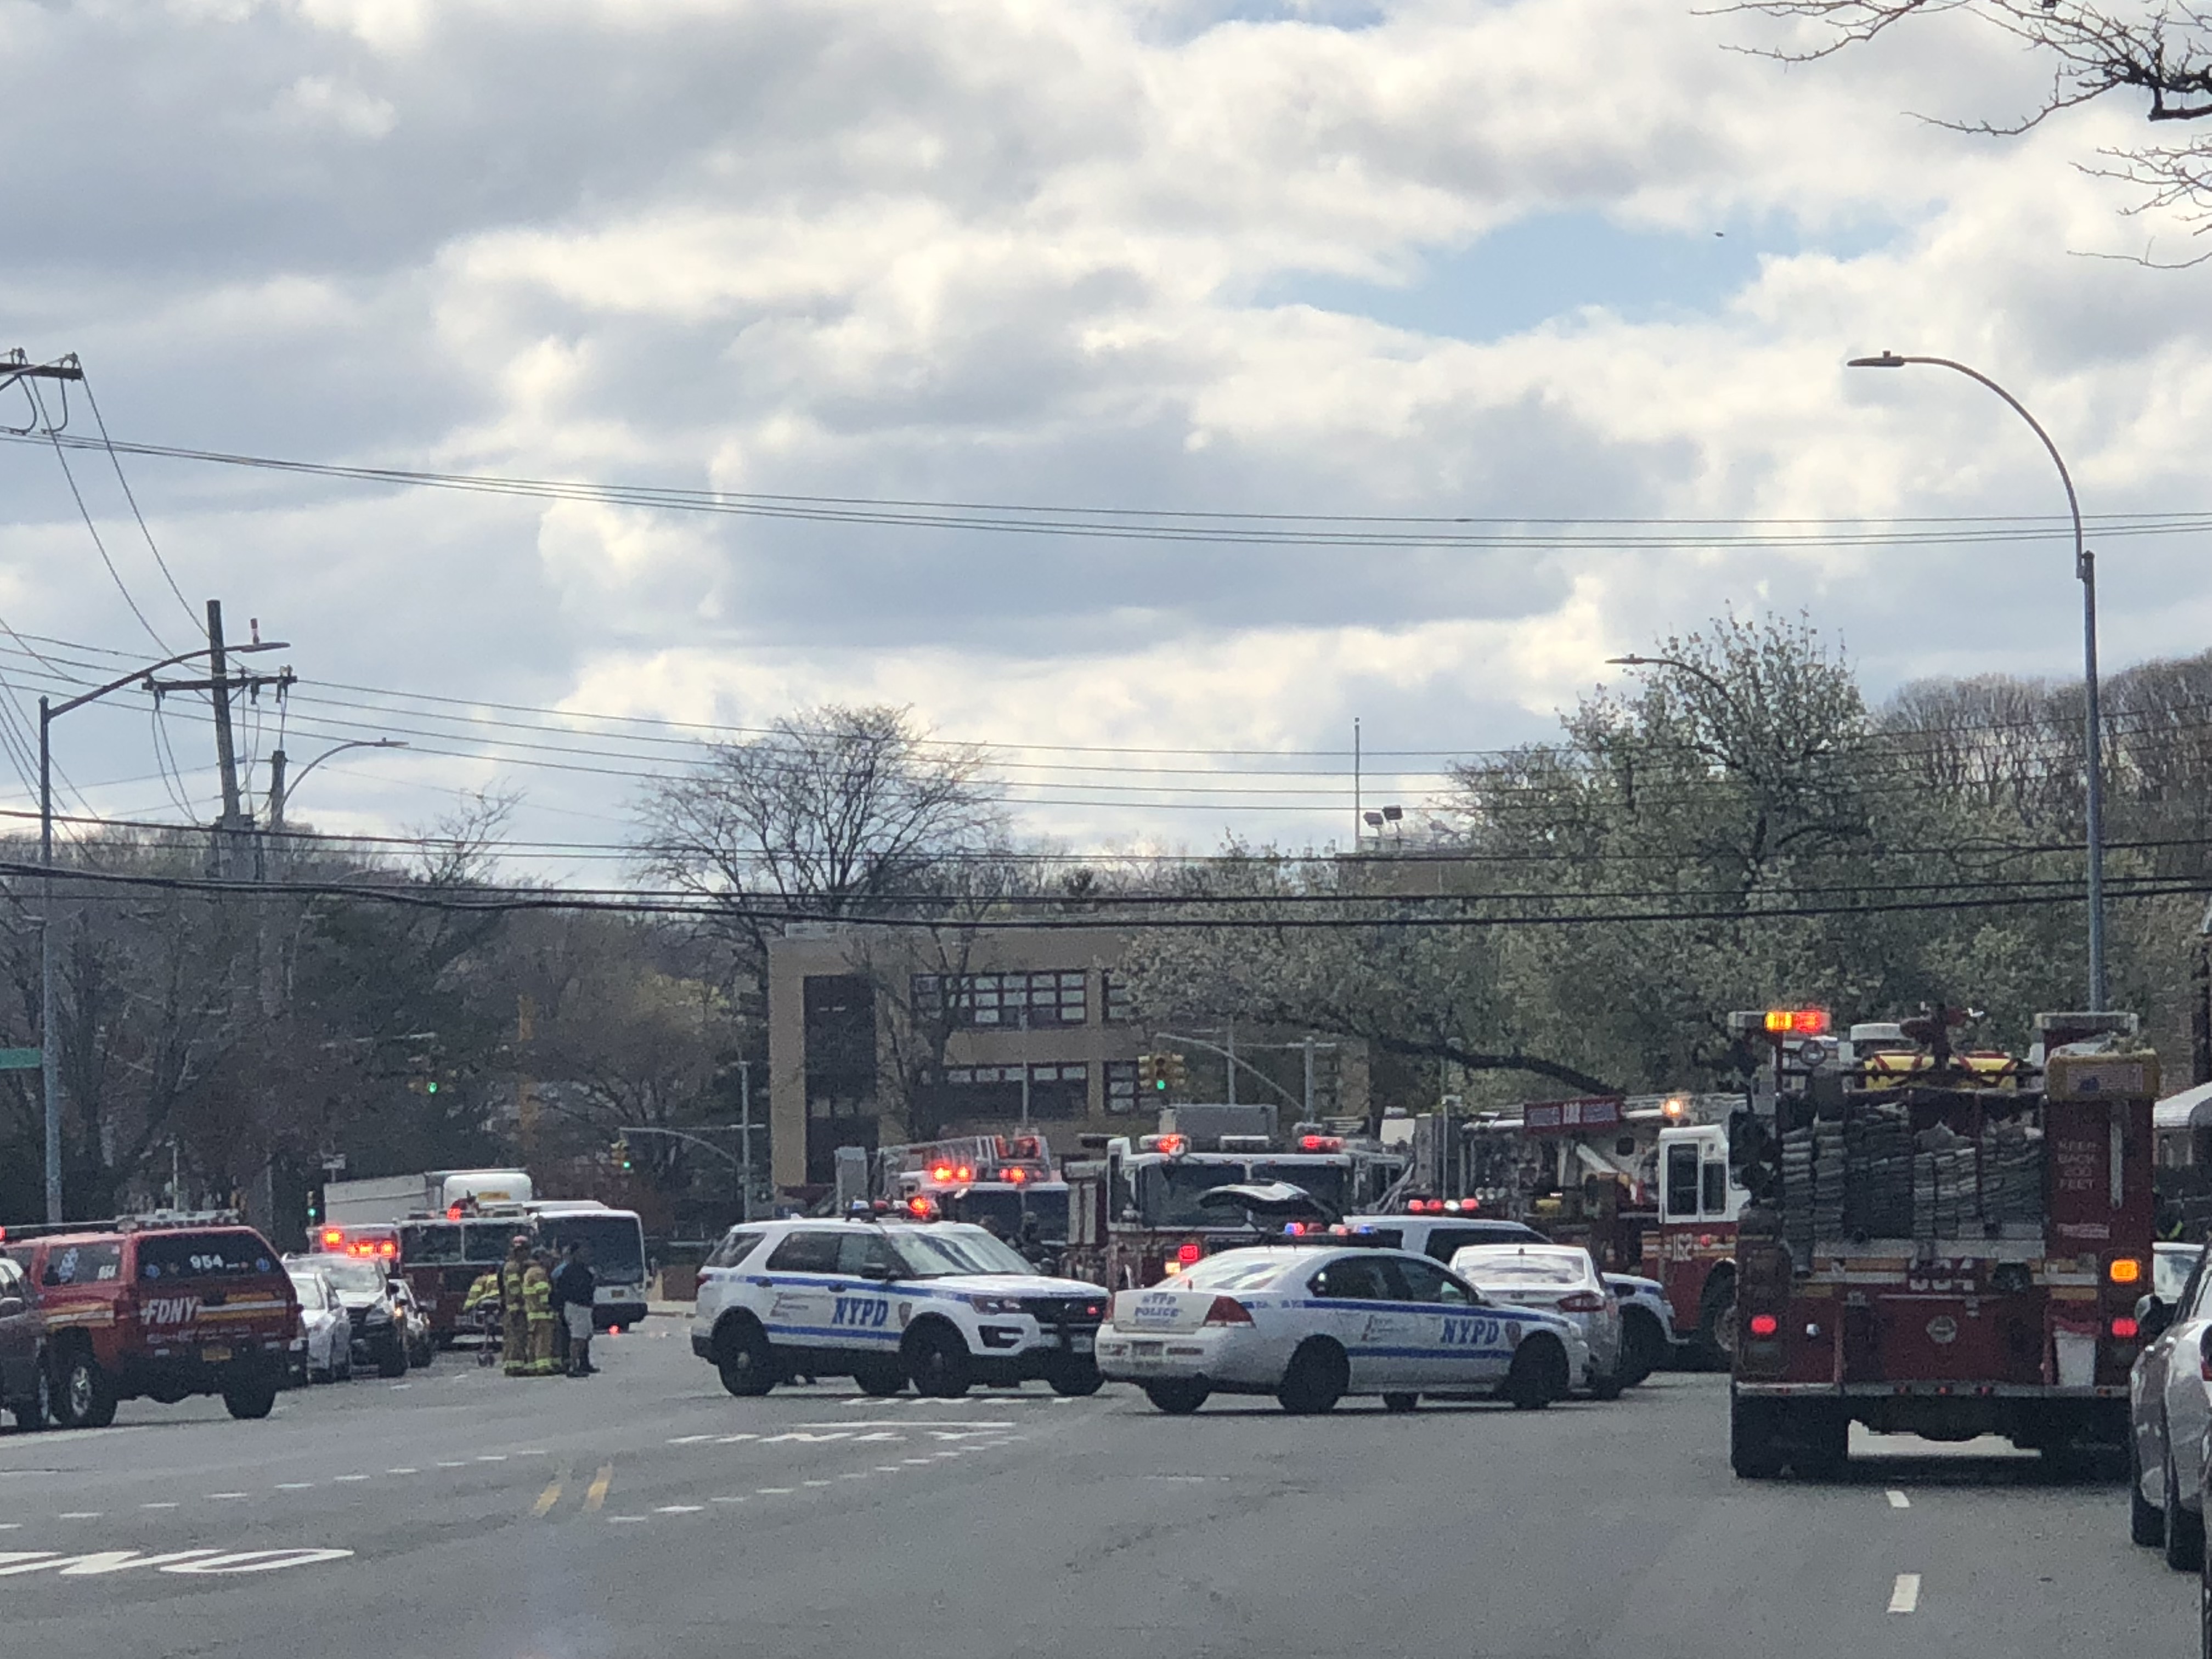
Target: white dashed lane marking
point(78, 1514)
point(1897, 1500)
point(1904, 1594)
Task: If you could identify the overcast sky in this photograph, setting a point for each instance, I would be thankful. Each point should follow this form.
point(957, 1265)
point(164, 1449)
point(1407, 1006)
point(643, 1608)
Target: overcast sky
point(1542, 259)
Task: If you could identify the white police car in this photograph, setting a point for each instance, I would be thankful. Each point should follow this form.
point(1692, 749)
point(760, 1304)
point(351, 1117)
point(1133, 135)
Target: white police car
point(1310, 1325)
point(942, 1304)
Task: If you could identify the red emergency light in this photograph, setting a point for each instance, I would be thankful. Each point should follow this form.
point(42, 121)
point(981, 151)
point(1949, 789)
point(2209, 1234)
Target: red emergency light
point(1189, 1251)
point(333, 1238)
point(1018, 1175)
point(1320, 1143)
point(1173, 1146)
point(1764, 1324)
point(1796, 1021)
point(940, 1172)
point(452, 1213)
point(2125, 1329)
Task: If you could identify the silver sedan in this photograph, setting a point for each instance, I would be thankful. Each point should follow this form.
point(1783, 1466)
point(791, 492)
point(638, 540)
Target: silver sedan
point(1555, 1278)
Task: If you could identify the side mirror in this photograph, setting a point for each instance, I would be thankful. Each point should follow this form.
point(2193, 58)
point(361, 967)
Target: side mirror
point(10, 1306)
point(2153, 1317)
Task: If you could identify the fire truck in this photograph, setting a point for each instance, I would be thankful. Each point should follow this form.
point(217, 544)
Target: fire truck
point(1137, 1214)
point(1939, 1242)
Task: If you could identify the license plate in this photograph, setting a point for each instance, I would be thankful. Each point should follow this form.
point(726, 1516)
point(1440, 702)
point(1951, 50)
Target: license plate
point(1147, 1350)
point(1081, 1343)
point(216, 1356)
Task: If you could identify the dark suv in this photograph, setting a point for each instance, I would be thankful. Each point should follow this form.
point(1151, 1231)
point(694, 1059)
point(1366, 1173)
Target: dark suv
point(26, 1383)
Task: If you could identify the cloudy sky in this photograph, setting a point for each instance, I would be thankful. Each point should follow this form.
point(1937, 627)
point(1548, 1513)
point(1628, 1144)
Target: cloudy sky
point(1522, 260)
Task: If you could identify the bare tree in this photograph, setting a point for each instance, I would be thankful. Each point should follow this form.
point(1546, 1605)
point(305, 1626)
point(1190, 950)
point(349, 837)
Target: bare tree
point(838, 812)
point(2162, 52)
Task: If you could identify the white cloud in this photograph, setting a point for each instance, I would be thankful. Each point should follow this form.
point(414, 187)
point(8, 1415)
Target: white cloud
point(1051, 252)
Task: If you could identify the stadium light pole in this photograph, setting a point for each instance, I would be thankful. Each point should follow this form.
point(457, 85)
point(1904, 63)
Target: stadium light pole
point(2085, 569)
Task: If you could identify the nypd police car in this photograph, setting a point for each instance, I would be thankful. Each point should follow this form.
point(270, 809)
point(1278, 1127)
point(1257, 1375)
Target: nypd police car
point(941, 1304)
point(1311, 1325)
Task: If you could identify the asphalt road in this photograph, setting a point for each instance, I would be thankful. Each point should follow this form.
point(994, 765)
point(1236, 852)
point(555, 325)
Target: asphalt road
point(646, 1513)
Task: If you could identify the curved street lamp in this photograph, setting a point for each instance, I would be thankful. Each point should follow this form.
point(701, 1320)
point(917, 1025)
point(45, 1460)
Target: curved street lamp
point(280, 790)
point(2085, 569)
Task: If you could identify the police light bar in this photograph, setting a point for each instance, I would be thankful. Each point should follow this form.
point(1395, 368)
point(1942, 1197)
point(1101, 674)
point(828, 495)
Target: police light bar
point(1173, 1146)
point(1781, 1022)
point(1320, 1143)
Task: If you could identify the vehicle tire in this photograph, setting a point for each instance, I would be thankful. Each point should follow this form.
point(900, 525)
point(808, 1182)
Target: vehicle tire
point(1717, 1322)
point(881, 1382)
point(1178, 1397)
point(391, 1359)
point(36, 1410)
point(1643, 1344)
point(250, 1402)
point(1754, 1453)
point(938, 1361)
point(86, 1397)
point(1610, 1387)
point(345, 1366)
point(747, 1363)
point(1539, 1375)
point(1076, 1381)
point(314, 1376)
point(2146, 1519)
point(2184, 1533)
point(1319, 1374)
point(1401, 1402)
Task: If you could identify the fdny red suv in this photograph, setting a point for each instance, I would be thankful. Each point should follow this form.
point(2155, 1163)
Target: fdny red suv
point(162, 1312)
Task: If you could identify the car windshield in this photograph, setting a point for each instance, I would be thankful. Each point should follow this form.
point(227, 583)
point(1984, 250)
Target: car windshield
point(362, 1278)
point(945, 1251)
point(1492, 1266)
point(1233, 1270)
point(1321, 1177)
point(616, 1238)
point(1168, 1193)
point(2169, 1272)
point(430, 1242)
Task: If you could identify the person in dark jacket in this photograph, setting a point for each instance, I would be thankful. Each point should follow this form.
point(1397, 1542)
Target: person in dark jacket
point(577, 1288)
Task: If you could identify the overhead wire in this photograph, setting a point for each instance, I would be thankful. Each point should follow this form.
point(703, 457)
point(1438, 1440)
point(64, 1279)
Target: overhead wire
point(61, 454)
point(198, 622)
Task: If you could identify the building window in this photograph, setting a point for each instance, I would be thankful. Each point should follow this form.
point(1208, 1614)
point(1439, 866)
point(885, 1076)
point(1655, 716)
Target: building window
point(1121, 1001)
point(995, 1092)
point(1120, 1087)
point(997, 1001)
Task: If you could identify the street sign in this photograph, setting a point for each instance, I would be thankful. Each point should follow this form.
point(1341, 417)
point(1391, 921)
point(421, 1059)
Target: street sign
point(20, 1060)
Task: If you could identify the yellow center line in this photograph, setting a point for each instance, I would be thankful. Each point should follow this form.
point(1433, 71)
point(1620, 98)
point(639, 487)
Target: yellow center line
point(596, 1493)
point(551, 1496)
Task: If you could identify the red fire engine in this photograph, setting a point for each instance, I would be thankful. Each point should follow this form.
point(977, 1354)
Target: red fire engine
point(1941, 1243)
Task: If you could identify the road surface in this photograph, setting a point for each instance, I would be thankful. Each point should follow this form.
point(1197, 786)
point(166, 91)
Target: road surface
point(646, 1514)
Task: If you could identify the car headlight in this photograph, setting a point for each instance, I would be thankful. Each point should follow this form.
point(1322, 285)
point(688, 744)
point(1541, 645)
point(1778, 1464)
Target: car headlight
point(995, 1304)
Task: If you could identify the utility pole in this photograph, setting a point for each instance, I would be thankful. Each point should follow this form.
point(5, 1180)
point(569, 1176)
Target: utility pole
point(1310, 1077)
point(2200, 1005)
point(745, 1135)
point(16, 368)
point(220, 684)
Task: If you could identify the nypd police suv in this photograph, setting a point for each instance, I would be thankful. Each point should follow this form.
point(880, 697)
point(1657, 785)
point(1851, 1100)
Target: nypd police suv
point(941, 1304)
point(1312, 1325)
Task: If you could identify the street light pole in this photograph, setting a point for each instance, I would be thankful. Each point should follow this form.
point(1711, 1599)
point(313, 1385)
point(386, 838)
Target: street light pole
point(2085, 569)
point(49, 1044)
point(280, 790)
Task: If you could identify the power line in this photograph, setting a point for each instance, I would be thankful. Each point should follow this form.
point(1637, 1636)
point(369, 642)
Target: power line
point(1293, 529)
point(61, 454)
point(199, 626)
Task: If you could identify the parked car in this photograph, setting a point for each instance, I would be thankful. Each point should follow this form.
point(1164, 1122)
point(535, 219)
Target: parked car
point(164, 1311)
point(414, 1324)
point(2170, 1407)
point(1647, 1324)
point(326, 1354)
point(1555, 1278)
point(25, 1381)
point(365, 1291)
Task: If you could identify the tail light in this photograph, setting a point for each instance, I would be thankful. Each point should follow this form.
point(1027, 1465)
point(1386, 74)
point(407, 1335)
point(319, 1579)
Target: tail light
point(1583, 1302)
point(1764, 1324)
point(1228, 1310)
point(1188, 1251)
point(2125, 1329)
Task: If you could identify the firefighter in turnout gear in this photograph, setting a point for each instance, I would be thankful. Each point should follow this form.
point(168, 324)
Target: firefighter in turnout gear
point(538, 1298)
point(514, 1275)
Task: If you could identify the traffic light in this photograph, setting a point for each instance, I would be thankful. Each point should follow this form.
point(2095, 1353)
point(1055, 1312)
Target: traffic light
point(1148, 1074)
point(621, 1150)
point(1172, 1074)
point(314, 1207)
